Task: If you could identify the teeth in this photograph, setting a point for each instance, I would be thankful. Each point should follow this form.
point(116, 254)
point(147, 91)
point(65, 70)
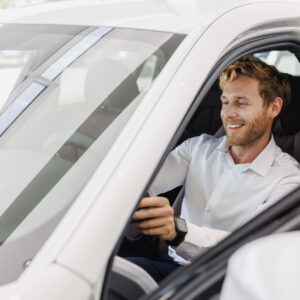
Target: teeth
point(234, 126)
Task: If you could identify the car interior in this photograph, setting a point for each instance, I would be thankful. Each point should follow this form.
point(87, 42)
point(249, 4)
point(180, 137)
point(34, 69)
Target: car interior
point(206, 119)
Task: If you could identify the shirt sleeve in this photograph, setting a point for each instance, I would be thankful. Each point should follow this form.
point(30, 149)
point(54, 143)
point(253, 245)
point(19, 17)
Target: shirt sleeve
point(174, 170)
point(282, 189)
point(204, 236)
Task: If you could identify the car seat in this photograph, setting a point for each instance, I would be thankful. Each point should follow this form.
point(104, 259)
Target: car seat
point(286, 129)
point(128, 281)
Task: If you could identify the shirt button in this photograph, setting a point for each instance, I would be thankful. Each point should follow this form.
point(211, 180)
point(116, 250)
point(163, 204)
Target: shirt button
point(208, 210)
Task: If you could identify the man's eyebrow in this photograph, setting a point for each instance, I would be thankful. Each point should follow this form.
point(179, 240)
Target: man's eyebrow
point(241, 98)
point(235, 98)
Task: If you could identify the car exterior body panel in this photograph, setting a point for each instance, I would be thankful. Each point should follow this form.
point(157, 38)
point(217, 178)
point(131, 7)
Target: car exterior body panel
point(268, 258)
point(169, 15)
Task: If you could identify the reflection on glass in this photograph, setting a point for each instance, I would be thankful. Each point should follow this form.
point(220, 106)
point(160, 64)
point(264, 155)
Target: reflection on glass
point(26, 98)
point(14, 65)
point(284, 61)
point(147, 73)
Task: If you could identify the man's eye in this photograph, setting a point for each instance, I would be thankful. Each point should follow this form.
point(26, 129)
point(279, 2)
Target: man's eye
point(241, 103)
point(224, 102)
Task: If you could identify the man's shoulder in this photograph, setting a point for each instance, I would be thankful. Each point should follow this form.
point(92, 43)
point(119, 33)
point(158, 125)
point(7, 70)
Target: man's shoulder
point(207, 139)
point(286, 161)
point(205, 144)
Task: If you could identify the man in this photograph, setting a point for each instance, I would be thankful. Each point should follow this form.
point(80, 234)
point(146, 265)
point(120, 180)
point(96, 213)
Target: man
point(227, 180)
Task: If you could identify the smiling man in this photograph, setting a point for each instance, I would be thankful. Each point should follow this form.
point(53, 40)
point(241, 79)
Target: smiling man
point(249, 106)
point(227, 180)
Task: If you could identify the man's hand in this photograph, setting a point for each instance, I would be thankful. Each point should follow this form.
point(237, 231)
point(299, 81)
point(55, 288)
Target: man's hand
point(155, 217)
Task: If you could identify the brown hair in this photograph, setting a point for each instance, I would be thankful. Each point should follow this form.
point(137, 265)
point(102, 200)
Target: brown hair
point(272, 83)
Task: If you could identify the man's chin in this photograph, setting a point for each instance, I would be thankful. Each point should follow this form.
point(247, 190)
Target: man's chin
point(244, 140)
point(233, 141)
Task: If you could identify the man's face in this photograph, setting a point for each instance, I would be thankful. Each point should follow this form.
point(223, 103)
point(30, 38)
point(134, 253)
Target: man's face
point(245, 118)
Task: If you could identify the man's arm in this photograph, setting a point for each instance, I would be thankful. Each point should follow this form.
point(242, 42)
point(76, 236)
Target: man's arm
point(282, 189)
point(174, 170)
point(204, 236)
point(156, 217)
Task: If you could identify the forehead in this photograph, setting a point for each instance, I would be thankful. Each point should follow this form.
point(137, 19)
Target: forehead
point(242, 87)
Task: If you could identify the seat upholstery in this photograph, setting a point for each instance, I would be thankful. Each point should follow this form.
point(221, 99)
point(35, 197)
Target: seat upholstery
point(128, 281)
point(207, 117)
point(286, 128)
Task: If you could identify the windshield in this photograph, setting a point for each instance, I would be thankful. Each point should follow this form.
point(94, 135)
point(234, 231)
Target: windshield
point(69, 91)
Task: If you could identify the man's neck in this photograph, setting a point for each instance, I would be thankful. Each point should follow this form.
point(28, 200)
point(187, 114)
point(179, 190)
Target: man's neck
point(248, 153)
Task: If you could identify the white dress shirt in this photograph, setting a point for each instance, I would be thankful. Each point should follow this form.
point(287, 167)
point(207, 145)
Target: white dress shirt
point(220, 195)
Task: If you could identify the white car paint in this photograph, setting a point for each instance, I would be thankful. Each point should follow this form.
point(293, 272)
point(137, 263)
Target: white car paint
point(77, 253)
point(165, 15)
point(266, 261)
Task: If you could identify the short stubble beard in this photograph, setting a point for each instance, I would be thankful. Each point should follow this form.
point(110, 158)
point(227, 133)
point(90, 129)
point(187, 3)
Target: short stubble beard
point(254, 131)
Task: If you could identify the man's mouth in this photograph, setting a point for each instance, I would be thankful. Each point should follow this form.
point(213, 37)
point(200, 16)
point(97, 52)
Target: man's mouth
point(234, 126)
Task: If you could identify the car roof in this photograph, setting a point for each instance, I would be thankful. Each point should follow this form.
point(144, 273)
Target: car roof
point(165, 15)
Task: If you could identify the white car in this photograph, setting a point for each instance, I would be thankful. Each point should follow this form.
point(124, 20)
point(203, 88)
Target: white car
point(94, 95)
point(273, 269)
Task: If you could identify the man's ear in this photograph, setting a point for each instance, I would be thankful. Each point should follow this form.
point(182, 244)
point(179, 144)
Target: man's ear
point(276, 107)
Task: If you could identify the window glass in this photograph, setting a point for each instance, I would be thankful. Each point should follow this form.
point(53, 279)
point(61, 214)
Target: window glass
point(13, 64)
point(50, 150)
point(147, 73)
point(284, 61)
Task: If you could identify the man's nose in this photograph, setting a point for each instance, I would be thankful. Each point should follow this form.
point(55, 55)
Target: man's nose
point(229, 111)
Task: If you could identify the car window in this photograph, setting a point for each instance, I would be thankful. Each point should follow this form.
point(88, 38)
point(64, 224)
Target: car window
point(206, 120)
point(70, 92)
point(283, 60)
point(13, 65)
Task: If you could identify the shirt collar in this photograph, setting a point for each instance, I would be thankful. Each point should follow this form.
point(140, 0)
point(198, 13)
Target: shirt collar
point(223, 146)
point(262, 162)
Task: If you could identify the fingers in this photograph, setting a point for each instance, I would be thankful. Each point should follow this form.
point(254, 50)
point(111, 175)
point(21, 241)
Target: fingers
point(154, 202)
point(154, 222)
point(155, 217)
point(162, 227)
point(153, 212)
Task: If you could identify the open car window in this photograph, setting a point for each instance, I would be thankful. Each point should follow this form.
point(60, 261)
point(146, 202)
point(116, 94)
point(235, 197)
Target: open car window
point(206, 119)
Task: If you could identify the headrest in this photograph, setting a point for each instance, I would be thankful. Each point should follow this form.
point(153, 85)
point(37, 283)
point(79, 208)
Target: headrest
point(289, 117)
